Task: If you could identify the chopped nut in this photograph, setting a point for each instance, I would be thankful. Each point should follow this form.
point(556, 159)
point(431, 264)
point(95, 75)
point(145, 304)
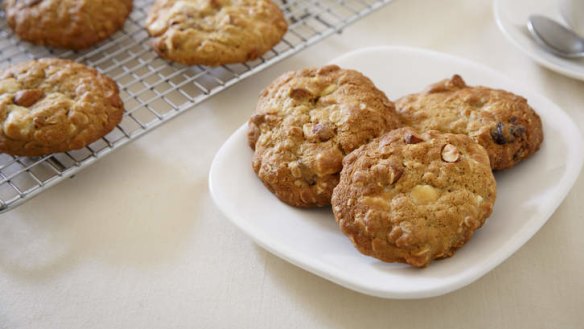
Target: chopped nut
point(328, 162)
point(294, 131)
point(28, 98)
point(450, 153)
point(456, 82)
point(300, 94)
point(394, 174)
point(424, 194)
point(410, 138)
point(31, 3)
point(471, 223)
point(324, 132)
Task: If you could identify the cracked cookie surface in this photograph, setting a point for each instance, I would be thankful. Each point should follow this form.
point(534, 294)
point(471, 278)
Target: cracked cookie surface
point(306, 122)
point(214, 32)
point(409, 197)
point(70, 24)
point(502, 122)
point(55, 105)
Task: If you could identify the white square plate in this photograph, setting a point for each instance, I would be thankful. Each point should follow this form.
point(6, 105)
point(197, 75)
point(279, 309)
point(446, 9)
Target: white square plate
point(527, 194)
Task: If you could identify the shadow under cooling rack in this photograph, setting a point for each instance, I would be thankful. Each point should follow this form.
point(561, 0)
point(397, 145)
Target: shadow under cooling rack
point(154, 90)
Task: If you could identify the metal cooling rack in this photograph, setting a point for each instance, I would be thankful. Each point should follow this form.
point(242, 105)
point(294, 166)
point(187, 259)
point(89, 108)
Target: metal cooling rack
point(153, 90)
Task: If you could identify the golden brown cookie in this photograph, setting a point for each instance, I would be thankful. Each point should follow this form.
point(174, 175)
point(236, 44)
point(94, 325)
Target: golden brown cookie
point(71, 24)
point(215, 32)
point(409, 197)
point(503, 123)
point(306, 122)
point(55, 105)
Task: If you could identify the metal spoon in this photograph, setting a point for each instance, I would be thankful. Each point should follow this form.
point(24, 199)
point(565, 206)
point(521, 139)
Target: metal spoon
point(555, 37)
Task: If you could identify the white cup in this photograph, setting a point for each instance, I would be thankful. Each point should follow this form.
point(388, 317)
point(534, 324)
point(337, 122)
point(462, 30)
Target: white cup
point(573, 13)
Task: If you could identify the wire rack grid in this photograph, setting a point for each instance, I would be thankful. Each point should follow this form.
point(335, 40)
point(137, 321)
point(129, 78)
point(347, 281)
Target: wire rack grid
point(154, 90)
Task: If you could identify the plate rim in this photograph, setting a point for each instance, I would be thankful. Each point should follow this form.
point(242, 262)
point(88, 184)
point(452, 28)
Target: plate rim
point(324, 270)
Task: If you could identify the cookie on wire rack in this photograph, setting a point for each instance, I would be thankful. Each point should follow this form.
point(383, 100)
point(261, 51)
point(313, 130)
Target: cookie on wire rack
point(69, 24)
point(214, 32)
point(306, 122)
point(55, 105)
point(412, 198)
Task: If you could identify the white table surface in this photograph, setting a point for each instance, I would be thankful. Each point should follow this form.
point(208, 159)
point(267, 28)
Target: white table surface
point(135, 241)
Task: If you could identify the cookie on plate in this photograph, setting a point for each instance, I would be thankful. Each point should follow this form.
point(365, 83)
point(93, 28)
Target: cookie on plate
point(502, 122)
point(55, 105)
point(306, 122)
point(409, 197)
point(70, 24)
point(214, 32)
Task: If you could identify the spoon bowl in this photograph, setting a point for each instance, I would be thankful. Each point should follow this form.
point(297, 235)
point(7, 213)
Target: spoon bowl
point(555, 37)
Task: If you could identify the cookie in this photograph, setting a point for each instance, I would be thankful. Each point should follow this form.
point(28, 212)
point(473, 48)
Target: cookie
point(214, 32)
point(502, 122)
point(409, 197)
point(306, 122)
point(55, 105)
point(70, 24)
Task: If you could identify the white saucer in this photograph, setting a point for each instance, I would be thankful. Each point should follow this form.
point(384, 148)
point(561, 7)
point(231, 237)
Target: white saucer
point(511, 16)
point(527, 194)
